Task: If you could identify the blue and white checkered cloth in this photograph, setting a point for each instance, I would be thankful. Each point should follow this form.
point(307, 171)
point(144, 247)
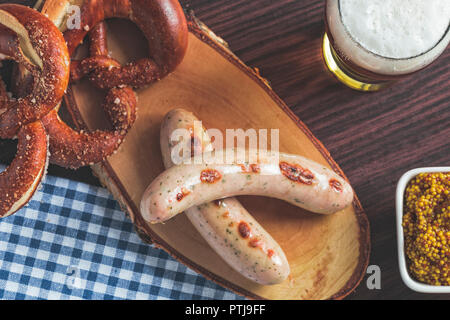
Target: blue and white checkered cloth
point(72, 241)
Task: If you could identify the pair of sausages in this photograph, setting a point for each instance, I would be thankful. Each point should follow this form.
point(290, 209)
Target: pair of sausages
point(195, 187)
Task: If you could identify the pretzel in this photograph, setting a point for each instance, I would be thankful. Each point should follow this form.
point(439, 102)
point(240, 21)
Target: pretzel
point(121, 116)
point(29, 38)
point(72, 149)
point(165, 27)
point(99, 58)
point(163, 24)
point(20, 180)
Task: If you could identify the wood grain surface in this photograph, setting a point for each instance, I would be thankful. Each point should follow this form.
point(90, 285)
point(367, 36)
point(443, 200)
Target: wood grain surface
point(374, 137)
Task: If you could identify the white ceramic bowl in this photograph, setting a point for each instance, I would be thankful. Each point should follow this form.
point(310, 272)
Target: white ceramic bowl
point(401, 186)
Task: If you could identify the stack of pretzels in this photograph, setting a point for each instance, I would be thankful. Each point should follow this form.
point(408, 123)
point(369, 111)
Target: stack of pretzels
point(41, 46)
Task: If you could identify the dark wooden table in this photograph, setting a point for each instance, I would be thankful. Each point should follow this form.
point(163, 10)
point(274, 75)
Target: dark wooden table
point(374, 137)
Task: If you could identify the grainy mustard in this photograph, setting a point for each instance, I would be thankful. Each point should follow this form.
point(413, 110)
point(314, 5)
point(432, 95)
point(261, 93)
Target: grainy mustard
point(426, 225)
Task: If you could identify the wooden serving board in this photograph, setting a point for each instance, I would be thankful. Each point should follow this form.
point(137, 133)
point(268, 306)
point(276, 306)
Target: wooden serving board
point(328, 255)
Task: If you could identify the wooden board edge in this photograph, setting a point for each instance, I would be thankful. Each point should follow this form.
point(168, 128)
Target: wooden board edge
point(107, 177)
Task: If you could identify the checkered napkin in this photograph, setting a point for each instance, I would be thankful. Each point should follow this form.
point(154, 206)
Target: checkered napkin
point(72, 241)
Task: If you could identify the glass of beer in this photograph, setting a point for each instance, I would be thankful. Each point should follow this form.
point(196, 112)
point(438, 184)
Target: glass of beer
point(369, 44)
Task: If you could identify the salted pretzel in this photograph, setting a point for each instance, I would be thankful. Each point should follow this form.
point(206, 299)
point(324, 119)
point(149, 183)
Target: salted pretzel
point(164, 25)
point(20, 180)
point(70, 148)
point(162, 22)
point(32, 40)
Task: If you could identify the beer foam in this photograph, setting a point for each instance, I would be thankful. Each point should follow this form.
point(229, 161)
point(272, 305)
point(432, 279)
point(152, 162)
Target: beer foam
point(396, 28)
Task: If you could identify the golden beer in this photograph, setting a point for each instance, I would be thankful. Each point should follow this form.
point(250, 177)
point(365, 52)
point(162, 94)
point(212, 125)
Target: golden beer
point(369, 44)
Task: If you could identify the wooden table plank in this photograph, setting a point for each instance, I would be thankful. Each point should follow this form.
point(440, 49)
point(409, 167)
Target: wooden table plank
point(375, 137)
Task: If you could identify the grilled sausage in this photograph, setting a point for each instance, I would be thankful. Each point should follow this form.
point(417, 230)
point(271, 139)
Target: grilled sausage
point(225, 225)
point(295, 179)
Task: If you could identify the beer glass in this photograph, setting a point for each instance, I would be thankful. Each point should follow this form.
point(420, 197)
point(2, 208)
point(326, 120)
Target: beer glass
point(369, 44)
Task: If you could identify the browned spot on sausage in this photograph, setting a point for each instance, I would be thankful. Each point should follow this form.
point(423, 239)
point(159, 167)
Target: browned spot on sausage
point(226, 214)
point(210, 176)
point(244, 229)
point(296, 173)
point(335, 185)
point(252, 168)
point(255, 242)
point(196, 146)
point(258, 243)
point(182, 194)
point(255, 168)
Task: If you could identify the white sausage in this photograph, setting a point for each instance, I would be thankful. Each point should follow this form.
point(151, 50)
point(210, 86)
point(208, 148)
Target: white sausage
point(295, 179)
point(227, 227)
